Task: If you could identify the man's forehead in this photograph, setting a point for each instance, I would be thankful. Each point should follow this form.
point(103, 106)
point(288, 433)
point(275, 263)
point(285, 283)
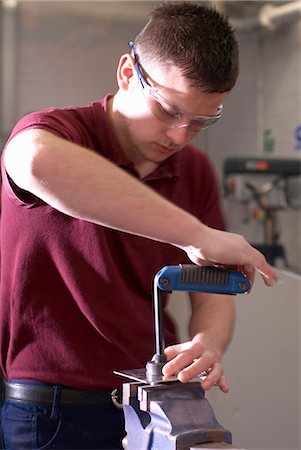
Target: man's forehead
point(170, 82)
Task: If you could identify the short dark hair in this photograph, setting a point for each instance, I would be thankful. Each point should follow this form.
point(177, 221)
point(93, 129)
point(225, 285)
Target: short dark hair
point(197, 39)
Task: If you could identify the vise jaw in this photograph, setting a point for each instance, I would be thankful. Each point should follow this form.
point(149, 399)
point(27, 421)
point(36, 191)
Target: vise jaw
point(170, 416)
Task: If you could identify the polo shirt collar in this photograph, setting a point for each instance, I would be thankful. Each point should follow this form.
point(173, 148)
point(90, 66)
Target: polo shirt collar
point(171, 168)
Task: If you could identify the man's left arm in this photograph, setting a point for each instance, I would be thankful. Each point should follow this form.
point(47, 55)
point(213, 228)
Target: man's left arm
point(211, 326)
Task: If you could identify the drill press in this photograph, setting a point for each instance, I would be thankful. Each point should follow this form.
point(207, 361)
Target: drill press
point(160, 412)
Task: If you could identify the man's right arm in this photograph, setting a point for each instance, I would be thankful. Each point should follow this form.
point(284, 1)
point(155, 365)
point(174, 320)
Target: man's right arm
point(84, 185)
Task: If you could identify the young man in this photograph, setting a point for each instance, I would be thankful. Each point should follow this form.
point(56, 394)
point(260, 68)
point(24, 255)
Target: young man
point(95, 201)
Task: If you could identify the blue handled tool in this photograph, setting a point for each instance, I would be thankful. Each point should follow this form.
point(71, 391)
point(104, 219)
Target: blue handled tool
point(190, 278)
point(187, 277)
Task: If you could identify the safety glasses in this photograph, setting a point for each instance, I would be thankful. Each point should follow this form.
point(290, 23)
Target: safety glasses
point(169, 113)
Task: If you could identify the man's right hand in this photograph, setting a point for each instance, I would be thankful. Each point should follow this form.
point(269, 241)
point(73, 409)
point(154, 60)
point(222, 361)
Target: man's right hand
point(221, 247)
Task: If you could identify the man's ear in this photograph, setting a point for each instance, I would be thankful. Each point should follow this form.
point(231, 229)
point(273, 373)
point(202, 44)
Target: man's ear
point(125, 71)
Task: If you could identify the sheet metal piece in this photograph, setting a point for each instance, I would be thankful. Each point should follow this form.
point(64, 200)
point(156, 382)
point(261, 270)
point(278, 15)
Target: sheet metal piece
point(141, 376)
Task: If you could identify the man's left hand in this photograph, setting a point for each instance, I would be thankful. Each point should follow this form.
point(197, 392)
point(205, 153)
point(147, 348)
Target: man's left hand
point(194, 358)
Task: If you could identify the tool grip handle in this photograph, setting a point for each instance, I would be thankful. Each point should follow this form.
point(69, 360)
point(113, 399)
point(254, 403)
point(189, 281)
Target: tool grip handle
point(189, 277)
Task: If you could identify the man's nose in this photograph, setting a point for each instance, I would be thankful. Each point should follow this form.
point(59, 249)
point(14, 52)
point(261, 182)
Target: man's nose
point(179, 135)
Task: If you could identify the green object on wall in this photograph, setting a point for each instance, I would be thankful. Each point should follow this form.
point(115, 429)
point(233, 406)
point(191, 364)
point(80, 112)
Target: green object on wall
point(268, 141)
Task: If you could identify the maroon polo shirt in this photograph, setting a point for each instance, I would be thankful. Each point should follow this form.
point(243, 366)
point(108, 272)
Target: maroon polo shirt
point(76, 298)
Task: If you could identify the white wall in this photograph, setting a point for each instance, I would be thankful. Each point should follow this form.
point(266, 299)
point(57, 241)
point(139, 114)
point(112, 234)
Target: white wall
point(67, 52)
point(262, 366)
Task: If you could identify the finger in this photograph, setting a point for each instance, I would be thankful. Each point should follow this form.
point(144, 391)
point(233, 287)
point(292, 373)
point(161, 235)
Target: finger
point(223, 385)
point(194, 369)
point(216, 378)
point(171, 353)
point(202, 262)
point(182, 356)
point(173, 350)
point(249, 271)
point(184, 363)
point(267, 272)
point(269, 279)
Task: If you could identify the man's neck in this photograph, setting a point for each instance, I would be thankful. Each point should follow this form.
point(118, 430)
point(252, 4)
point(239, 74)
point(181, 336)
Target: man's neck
point(142, 166)
point(145, 168)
